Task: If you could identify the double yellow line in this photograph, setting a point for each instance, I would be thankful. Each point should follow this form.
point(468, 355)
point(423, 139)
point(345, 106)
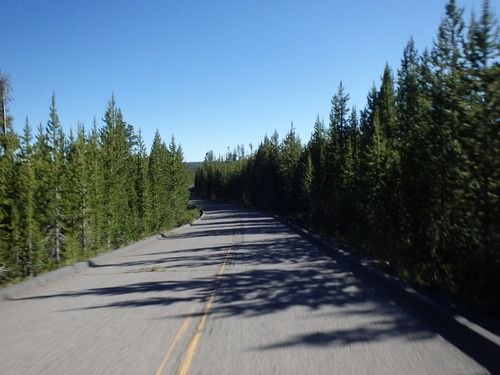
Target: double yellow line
point(186, 363)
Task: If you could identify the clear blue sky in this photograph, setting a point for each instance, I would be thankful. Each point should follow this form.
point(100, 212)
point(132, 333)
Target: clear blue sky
point(213, 73)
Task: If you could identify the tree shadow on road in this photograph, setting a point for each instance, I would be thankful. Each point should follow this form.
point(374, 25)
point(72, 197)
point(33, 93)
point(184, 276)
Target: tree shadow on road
point(270, 270)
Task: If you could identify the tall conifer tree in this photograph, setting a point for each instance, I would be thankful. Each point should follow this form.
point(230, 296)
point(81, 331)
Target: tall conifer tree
point(55, 231)
point(30, 235)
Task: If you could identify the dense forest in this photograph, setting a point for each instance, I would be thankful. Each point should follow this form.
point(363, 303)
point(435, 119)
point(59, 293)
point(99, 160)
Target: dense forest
point(412, 180)
point(64, 198)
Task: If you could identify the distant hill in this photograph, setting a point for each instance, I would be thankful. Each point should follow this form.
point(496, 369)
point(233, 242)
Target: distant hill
point(193, 166)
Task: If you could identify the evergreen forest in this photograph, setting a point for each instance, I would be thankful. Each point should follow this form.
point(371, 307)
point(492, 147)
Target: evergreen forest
point(68, 197)
point(412, 181)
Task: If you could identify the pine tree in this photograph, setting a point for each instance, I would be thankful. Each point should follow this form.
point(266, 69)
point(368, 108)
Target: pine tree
point(201, 180)
point(449, 213)
point(77, 181)
point(142, 186)
point(378, 170)
point(390, 201)
point(367, 118)
point(96, 188)
point(386, 106)
point(5, 118)
point(116, 157)
point(133, 226)
point(483, 48)
point(9, 226)
point(177, 182)
point(408, 92)
point(158, 182)
point(413, 119)
point(54, 228)
point(290, 154)
point(265, 174)
point(305, 177)
point(351, 222)
point(481, 143)
point(30, 236)
point(316, 147)
point(42, 161)
point(336, 155)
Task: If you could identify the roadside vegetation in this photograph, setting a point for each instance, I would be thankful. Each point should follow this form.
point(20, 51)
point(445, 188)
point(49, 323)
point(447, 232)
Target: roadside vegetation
point(413, 179)
point(68, 197)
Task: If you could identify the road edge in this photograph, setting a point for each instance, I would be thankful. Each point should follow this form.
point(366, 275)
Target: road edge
point(443, 317)
point(9, 292)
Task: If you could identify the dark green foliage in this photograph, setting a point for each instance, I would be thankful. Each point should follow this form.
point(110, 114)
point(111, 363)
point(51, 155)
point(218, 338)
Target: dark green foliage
point(266, 190)
point(63, 199)
point(116, 160)
point(141, 171)
point(177, 183)
point(415, 182)
point(289, 163)
point(29, 230)
point(77, 206)
point(56, 168)
point(158, 182)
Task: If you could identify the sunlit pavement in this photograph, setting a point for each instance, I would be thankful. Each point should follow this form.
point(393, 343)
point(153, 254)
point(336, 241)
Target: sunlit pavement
point(237, 292)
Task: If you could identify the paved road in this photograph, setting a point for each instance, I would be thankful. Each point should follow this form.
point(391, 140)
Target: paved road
point(236, 293)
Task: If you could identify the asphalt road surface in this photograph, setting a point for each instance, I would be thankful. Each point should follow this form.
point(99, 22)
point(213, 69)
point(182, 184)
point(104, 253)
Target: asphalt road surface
point(238, 292)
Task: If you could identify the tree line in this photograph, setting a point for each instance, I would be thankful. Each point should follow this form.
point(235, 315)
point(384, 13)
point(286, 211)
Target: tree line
point(64, 198)
point(412, 180)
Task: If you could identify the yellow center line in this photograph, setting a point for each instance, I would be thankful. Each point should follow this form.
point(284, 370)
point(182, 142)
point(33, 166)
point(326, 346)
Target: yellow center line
point(189, 355)
point(183, 328)
point(194, 343)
